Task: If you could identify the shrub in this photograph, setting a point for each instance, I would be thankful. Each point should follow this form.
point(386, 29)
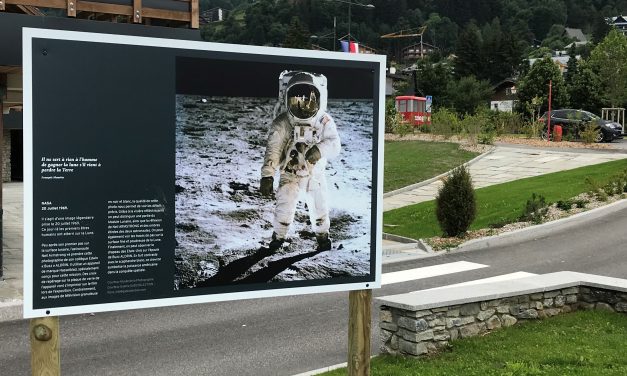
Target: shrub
point(535, 209)
point(472, 126)
point(617, 184)
point(444, 123)
point(589, 133)
point(402, 127)
point(596, 189)
point(565, 205)
point(532, 129)
point(486, 138)
point(392, 117)
point(456, 205)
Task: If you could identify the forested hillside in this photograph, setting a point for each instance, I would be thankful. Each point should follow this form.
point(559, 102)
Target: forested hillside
point(267, 22)
point(478, 44)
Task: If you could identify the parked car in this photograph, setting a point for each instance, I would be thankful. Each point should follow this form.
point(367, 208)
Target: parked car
point(575, 121)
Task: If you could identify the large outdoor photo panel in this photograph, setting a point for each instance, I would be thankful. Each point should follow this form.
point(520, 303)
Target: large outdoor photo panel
point(162, 172)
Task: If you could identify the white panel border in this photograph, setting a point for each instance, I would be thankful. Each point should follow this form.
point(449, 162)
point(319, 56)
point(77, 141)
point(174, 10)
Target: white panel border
point(30, 33)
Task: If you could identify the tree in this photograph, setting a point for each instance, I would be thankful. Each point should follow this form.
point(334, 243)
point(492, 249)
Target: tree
point(441, 32)
point(600, 28)
point(609, 62)
point(433, 79)
point(501, 53)
point(571, 66)
point(468, 52)
point(297, 36)
point(456, 205)
point(467, 94)
point(536, 84)
point(584, 88)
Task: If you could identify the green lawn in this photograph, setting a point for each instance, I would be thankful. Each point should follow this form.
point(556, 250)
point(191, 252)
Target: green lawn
point(410, 162)
point(588, 343)
point(503, 202)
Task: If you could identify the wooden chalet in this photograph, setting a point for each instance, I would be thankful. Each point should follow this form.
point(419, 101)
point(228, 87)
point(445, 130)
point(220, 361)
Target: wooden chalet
point(174, 13)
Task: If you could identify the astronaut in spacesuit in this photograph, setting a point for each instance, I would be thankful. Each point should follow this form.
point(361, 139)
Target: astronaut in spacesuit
point(302, 138)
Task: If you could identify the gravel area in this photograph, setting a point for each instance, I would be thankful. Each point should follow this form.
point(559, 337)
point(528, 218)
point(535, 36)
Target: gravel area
point(560, 145)
point(554, 213)
point(467, 145)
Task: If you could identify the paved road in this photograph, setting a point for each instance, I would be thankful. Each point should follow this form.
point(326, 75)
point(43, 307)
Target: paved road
point(289, 335)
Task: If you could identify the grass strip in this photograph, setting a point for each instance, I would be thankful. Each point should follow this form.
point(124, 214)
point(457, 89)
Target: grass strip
point(502, 203)
point(410, 162)
point(587, 343)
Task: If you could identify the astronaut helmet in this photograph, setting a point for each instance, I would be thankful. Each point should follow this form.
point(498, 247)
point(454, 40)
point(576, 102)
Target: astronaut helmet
point(306, 97)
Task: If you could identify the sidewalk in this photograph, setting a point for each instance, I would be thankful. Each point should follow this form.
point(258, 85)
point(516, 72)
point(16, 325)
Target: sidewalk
point(12, 242)
point(506, 164)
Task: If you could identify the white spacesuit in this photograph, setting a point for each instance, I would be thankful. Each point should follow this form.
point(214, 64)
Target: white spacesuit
point(301, 140)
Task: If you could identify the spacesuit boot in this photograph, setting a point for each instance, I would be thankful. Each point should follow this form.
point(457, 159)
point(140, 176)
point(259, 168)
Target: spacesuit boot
point(276, 242)
point(324, 243)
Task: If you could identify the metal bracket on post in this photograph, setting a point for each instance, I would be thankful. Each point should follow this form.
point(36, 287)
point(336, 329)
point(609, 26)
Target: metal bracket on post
point(359, 317)
point(137, 11)
point(71, 8)
point(44, 346)
point(194, 21)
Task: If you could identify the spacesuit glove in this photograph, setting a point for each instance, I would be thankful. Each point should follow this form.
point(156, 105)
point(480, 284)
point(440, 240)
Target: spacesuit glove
point(313, 155)
point(266, 185)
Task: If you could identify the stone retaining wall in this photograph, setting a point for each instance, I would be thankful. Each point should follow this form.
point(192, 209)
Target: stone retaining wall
point(422, 332)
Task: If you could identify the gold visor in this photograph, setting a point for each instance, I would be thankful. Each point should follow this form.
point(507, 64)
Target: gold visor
point(303, 101)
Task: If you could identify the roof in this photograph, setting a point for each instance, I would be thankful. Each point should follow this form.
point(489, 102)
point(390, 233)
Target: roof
point(562, 60)
point(617, 19)
point(576, 34)
point(505, 82)
point(576, 44)
point(404, 97)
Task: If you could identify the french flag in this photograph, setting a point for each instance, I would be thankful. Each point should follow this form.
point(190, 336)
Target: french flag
point(354, 47)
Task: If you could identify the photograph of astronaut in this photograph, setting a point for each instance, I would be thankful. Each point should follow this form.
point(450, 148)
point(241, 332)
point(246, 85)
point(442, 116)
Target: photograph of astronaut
point(275, 187)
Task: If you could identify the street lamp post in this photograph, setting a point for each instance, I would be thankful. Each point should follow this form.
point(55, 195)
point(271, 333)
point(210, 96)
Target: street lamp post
point(350, 3)
point(326, 36)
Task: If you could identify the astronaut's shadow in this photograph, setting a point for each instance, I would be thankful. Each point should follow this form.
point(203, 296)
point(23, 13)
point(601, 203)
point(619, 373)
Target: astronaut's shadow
point(229, 273)
point(275, 267)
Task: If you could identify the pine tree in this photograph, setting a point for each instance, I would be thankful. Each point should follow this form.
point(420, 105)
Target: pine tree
point(468, 52)
point(297, 36)
point(456, 205)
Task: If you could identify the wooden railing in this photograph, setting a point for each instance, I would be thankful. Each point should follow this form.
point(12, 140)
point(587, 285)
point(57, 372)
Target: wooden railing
point(135, 11)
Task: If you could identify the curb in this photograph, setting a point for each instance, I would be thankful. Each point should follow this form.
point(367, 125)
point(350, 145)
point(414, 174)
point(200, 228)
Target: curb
point(11, 310)
point(436, 178)
point(407, 243)
point(541, 230)
point(527, 233)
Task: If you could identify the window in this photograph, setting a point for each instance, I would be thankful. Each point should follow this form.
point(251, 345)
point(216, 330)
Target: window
point(402, 106)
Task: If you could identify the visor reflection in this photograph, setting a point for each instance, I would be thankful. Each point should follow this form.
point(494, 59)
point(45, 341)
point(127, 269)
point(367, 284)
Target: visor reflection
point(303, 101)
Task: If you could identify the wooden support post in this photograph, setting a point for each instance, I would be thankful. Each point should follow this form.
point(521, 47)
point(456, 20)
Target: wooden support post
point(137, 11)
point(44, 346)
point(194, 22)
point(359, 316)
point(71, 8)
point(3, 89)
point(2, 5)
